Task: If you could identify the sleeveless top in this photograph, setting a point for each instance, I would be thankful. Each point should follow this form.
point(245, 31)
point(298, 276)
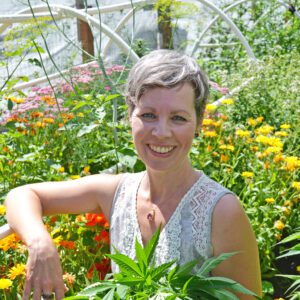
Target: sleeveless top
point(187, 234)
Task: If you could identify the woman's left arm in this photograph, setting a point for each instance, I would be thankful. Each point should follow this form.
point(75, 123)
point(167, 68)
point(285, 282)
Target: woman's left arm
point(231, 231)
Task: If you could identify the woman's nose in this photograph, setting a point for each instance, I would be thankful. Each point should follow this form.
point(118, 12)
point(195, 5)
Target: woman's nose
point(162, 129)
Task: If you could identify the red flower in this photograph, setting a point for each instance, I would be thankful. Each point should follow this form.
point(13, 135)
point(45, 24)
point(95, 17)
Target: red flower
point(94, 219)
point(102, 268)
point(67, 244)
point(103, 237)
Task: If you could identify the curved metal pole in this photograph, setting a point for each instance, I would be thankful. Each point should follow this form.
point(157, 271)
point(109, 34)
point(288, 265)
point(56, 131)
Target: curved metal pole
point(288, 7)
point(71, 12)
point(212, 22)
point(233, 27)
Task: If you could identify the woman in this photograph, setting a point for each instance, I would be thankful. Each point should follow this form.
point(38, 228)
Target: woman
point(166, 95)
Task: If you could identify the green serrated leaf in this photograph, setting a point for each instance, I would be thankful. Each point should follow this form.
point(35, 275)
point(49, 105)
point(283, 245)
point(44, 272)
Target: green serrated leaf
point(87, 129)
point(161, 270)
point(126, 264)
point(186, 268)
point(96, 288)
point(141, 256)
point(292, 237)
point(212, 262)
point(109, 295)
point(151, 246)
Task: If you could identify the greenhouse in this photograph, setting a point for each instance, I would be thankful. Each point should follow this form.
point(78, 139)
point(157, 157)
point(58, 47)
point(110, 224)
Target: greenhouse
point(149, 149)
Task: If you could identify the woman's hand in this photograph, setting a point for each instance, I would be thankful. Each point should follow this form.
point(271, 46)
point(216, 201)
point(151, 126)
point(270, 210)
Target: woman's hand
point(44, 272)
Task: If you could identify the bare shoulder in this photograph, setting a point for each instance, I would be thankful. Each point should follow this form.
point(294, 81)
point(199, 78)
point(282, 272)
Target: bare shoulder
point(232, 232)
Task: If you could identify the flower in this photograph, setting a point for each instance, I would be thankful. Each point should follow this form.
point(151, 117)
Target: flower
point(281, 133)
point(67, 244)
point(5, 283)
point(211, 107)
point(207, 122)
point(86, 170)
point(269, 141)
point(94, 219)
point(210, 134)
point(48, 120)
point(61, 169)
point(9, 242)
point(224, 158)
point(247, 174)
point(296, 185)
point(69, 278)
point(75, 176)
point(298, 269)
point(242, 133)
point(2, 210)
point(285, 126)
point(17, 270)
point(291, 163)
point(228, 101)
point(252, 122)
point(103, 237)
point(270, 200)
point(273, 150)
point(102, 268)
point(227, 147)
point(279, 225)
point(265, 130)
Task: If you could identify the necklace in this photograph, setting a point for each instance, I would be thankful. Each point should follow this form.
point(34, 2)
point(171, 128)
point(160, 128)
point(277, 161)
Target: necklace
point(151, 215)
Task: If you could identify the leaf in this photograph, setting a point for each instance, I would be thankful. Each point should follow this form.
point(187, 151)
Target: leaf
point(87, 129)
point(97, 287)
point(141, 256)
point(212, 262)
point(290, 253)
point(122, 290)
point(126, 264)
point(77, 298)
point(161, 270)
point(151, 246)
point(186, 268)
point(79, 105)
point(109, 295)
point(130, 281)
point(35, 62)
point(10, 104)
point(292, 237)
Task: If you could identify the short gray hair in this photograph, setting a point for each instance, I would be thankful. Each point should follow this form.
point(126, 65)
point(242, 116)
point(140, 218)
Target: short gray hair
point(166, 68)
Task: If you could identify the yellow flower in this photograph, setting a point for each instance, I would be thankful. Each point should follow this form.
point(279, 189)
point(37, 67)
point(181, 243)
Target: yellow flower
point(286, 210)
point(207, 122)
point(288, 203)
point(296, 185)
point(269, 141)
point(211, 107)
point(281, 133)
point(210, 134)
point(17, 270)
point(259, 119)
point(270, 200)
point(227, 147)
point(9, 242)
point(86, 169)
point(242, 133)
point(298, 269)
point(285, 126)
point(228, 101)
point(273, 150)
point(291, 163)
point(247, 174)
point(224, 158)
point(61, 169)
point(80, 115)
point(265, 130)
point(75, 176)
point(252, 122)
point(5, 283)
point(2, 210)
point(216, 123)
point(48, 120)
point(279, 225)
point(254, 148)
point(278, 158)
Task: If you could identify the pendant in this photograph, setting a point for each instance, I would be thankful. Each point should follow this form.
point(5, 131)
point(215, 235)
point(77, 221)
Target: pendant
point(151, 215)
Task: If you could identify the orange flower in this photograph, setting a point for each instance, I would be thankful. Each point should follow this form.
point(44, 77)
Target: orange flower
point(103, 237)
point(36, 114)
point(279, 225)
point(67, 244)
point(95, 219)
point(102, 268)
point(69, 278)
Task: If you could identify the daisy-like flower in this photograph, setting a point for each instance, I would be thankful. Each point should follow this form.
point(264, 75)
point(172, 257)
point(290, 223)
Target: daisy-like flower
point(247, 174)
point(16, 271)
point(285, 126)
point(279, 225)
point(5, 283)
point(210, 134)
point(242, 133)
point(211, 107)
point(228, 101)
point(270, 200)
point(2, 210)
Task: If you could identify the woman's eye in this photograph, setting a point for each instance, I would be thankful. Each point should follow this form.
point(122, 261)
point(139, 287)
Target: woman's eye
point(179, 118)
point(148, 116)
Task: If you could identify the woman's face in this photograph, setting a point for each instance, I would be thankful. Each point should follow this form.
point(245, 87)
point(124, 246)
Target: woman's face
point(163, 126)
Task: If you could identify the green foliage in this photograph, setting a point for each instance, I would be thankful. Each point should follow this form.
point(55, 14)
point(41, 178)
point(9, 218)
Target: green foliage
point(141, 279)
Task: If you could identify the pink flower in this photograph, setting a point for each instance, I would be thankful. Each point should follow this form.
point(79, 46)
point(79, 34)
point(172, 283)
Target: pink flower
point(107, 88)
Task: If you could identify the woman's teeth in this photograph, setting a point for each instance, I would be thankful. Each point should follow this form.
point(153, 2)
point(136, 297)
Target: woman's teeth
point(161, 149)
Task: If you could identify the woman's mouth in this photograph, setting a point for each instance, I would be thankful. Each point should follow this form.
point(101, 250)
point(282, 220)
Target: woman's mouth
point(161, 149)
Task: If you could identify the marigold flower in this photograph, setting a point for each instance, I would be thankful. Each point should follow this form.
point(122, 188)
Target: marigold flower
point(5, 283)
point(265, 130)
point(226, 147)
point(259, 119)
point(278, 158)
point(75, 176)
point(210, 134)
point(247, 174)
point(279, 225)
point(48, 120)
point(281, 133)
point(86, 169)
point(94, 219)
point(224, 158)
point(285, 126)
point(291, 163)
point(269, 141)
point(270, 200)
point(61, 169)
point(207, 122)
point(211, 107)
point(67, 244)
point(103, 237)
point(17, 270)
point(9, 242)
point(36, 114)
point(49, 100)
point(296, 185)
point(254, 148)
point(2, 210)
point(242, 133)
point(228, 101)
point(273, 150)
point(252, 122)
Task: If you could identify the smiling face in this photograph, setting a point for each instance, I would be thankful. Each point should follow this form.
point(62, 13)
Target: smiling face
point(163, 126)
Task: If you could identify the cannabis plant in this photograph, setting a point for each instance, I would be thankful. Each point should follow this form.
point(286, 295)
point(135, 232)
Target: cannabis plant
point(141, 279)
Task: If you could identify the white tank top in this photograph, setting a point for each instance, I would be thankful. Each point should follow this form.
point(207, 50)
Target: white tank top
point(186, 236)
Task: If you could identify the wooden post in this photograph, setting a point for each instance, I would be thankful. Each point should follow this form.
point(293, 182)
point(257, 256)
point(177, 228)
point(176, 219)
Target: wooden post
point(85, 34)
point(165, 26)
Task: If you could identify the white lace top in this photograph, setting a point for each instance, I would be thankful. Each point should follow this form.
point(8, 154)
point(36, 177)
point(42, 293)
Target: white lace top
point(187, 234)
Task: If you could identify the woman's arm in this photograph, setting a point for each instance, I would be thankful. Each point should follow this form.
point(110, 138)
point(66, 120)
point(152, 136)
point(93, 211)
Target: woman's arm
point(231, 231)
point(27, 204)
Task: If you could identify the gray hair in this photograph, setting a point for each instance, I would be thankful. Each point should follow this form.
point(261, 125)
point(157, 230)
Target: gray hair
point(166, 68)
